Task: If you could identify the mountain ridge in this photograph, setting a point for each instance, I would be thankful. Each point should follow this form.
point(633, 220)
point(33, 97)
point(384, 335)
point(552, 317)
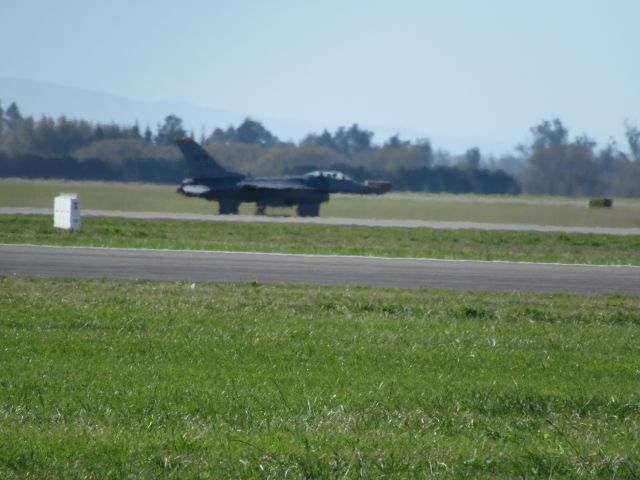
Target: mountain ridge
point(36, 98)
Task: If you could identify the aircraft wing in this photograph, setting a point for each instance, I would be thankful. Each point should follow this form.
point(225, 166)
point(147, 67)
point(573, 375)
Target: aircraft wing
point(272, 184)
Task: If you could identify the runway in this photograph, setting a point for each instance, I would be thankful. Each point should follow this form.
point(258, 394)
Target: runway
point(194, 266)
point(360, 222)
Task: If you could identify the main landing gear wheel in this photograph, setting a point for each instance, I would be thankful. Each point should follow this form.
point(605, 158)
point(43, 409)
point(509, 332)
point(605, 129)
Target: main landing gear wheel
point(229, 207)
point(309, 209)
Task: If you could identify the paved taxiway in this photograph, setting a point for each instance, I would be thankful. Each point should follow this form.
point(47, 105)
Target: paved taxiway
point(193, 266)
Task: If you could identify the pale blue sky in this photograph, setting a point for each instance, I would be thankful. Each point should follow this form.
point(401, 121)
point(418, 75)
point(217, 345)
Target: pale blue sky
point(460, 72)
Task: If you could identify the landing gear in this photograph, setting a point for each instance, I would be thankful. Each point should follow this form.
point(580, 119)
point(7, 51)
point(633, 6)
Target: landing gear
point(309, 209)
point(261, 209)
point(228, 206)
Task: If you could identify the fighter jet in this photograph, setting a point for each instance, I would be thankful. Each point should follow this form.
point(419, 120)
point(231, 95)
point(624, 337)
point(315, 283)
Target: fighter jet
point(209, 180)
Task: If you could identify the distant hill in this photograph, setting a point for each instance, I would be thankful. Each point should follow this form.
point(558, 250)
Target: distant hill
point(36, 98)
point(39, 98)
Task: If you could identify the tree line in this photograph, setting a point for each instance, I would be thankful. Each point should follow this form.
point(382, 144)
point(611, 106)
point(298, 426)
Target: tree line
point(556, 165)
point(550, 163)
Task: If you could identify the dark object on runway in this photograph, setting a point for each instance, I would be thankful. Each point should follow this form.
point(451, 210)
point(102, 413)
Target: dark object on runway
point(601, 203)
point(209, 180)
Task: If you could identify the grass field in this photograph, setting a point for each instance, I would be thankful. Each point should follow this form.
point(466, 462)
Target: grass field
point(170, 380)
point(158, 198)
point(105, 379)
point(327, 239)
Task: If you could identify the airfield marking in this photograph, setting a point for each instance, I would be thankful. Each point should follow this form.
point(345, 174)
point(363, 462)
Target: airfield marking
point(185, 265)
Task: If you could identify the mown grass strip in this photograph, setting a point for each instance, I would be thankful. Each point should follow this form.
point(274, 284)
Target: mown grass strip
point(328, 239)
point(145, 380)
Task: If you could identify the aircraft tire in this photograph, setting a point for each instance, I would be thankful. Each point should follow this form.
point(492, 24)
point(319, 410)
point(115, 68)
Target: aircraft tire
point(229, 207)
point(309, 209)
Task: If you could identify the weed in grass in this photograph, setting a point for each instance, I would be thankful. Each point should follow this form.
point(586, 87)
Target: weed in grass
point(473, 312)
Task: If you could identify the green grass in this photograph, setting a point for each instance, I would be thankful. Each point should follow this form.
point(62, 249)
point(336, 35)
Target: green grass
point(327, 239)
point(164, 380)
point(445, 208)
point(475, 208)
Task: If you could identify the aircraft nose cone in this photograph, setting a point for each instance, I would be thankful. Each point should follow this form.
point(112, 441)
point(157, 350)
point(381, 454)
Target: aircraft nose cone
point(382, 186)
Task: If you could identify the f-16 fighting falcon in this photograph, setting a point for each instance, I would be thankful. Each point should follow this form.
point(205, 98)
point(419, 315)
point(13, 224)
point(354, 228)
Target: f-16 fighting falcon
point(209, 180)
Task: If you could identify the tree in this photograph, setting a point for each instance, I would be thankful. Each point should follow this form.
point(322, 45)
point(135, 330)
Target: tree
point(219, 136)
point(555, 166)
point(472, 158)
point(250, 132)
point(253, 132)
point(395, 142)
point(13, 117)
point(72, 134)
point(625, 177)
point(424, 147)
point(135, 131)
point(352, 140)
point(633, 139)
point(170, 131)
point(607, 158)
point(98, 133)
point(1, 121)
point(549, 134)
point(21, 139)
point(569, 169)
point(509, 163)
point(148, 136)
point(325, 139)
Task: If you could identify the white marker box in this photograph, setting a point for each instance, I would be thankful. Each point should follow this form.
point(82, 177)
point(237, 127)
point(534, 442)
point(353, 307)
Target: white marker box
point(66, 211)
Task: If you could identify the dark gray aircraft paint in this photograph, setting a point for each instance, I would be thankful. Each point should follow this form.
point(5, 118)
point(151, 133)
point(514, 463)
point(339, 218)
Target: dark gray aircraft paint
point(193, 266)
point(209, 180)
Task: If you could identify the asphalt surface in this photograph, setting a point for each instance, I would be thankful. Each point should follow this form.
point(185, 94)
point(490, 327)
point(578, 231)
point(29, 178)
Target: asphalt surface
point(331, 221)
point(194, 266)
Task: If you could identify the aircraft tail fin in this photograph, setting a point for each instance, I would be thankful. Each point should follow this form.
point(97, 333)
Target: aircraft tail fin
point(200, 163)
